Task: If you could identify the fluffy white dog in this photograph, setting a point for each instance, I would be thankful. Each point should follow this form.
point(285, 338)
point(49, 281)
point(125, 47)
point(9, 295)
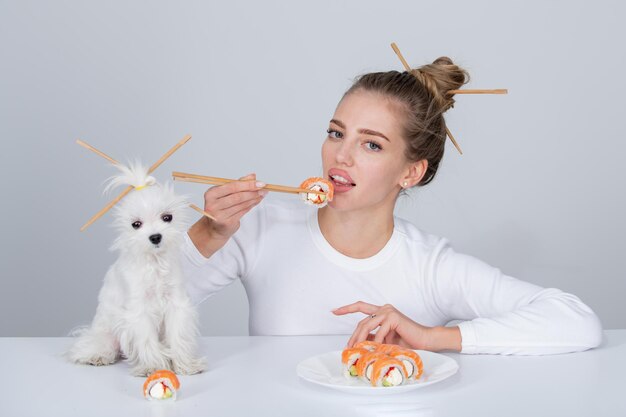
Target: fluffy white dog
point(144, 313)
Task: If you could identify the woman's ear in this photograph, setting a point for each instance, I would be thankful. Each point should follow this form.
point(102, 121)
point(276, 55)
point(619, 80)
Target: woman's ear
point(416, 172)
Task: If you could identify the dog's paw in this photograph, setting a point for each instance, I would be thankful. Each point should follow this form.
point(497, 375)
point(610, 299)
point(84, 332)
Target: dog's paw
point(189, 367)
point(145, 370)
point(95, 359)
point(148, 369)
point(101, 361)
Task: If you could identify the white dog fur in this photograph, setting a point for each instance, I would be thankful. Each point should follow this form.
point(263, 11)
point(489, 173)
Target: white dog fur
point(144, 313)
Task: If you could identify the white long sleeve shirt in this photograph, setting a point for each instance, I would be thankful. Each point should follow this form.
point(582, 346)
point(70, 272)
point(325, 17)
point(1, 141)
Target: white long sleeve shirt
point(293, 279)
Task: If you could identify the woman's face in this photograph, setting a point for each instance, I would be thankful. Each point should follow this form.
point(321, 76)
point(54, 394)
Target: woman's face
point(363, 154)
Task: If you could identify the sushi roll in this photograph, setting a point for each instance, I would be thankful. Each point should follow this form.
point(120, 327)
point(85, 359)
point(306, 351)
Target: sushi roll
point(161, 385)
point(387, 348)
point(366, 365)
point(350, 360)
point(388, 372)
point(317, 184)
point(367, 345)
point(411, 361)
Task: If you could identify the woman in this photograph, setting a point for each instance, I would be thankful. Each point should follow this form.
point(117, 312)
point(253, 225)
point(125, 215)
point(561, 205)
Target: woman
point(304, 268)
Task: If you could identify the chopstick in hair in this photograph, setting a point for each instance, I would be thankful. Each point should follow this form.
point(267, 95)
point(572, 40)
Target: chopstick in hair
point(407, 67)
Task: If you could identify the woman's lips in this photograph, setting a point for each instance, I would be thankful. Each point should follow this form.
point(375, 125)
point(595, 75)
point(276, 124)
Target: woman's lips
point(339, 184)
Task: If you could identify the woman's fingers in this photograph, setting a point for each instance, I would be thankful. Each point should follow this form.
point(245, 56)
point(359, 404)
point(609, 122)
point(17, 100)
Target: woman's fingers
point(225, 200)
point(235, 213)
point(382, 332)
point(358, 307)
point(227, 203)
point(247, 183)
point(364, 328)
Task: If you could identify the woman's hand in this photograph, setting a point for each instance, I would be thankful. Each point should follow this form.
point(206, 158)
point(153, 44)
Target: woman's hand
point(228, 203)
point(396, 328)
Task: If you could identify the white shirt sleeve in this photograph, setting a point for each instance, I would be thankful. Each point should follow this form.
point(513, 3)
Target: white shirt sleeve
point(505, 315)
point(206, 276)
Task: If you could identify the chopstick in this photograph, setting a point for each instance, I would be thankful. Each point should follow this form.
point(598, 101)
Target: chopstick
point(468, 91)
point(129, 188)
point(202, 179)
point(407, 67)
point(92, 149)
point(204, 213)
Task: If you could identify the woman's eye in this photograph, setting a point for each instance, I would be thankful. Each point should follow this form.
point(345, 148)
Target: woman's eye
point(373, 146)
point(136, 225)
point(166, 218)
point(334, 134)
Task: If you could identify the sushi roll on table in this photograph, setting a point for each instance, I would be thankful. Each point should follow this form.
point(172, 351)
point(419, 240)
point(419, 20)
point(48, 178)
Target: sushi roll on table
point(317, 184)
point(161, 385)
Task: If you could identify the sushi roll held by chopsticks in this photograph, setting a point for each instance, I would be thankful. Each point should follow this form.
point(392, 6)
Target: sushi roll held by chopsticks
point(317, 184)
point(161, 385)
point(315, 191)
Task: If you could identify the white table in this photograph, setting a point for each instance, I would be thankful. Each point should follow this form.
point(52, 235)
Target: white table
point(256, 376)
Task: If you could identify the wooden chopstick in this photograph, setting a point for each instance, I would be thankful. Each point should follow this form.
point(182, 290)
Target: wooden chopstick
point(204, 213)
point(202, 179)
point(468, 91)
point(102, 154)
point(114, 162)
point(129, 188)
point(397, 51)
point(456, 145)
point(408, 68)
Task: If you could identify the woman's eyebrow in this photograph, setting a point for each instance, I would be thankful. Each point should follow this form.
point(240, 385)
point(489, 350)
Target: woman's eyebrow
point(338, 123)
point(373, 133)
point(363, 131)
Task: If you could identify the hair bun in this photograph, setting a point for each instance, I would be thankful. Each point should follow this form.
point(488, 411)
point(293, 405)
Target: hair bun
point(443, 60)
point(440, 77)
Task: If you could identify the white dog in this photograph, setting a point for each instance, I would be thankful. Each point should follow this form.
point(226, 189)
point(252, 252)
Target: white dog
point(144, 313)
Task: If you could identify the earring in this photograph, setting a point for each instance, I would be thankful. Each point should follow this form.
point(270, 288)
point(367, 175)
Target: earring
point(404, 184)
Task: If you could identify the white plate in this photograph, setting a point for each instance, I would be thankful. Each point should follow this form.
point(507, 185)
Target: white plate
point(327, 370)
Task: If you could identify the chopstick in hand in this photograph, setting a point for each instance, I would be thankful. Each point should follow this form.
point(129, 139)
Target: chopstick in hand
point(183, 176)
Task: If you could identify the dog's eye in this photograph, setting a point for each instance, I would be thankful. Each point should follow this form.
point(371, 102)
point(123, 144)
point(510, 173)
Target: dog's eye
point(137, 224)
point(166, 218)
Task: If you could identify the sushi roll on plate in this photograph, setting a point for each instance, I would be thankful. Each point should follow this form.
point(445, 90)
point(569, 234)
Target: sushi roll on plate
point(327, 369)
point(366, 365)
point(387, 348)
point(388, 372)
point(368, 345)
point(350, 359)
point(411, 361)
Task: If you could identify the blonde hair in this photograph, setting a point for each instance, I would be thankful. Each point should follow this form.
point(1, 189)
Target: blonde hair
point(423, 95)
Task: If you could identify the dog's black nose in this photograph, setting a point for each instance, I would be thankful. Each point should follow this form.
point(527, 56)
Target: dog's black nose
point(156, 239)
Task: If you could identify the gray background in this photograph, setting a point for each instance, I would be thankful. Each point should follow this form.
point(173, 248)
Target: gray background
point(539, 191)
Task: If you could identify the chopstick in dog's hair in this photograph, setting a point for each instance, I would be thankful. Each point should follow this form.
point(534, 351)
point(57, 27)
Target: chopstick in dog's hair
point(113, 161)
point(204, 213)
point(129, 188)
point(102, 154)
point(183, 176)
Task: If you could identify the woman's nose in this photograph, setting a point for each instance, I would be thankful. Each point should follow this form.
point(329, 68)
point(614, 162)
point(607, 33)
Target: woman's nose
point(344, 154)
